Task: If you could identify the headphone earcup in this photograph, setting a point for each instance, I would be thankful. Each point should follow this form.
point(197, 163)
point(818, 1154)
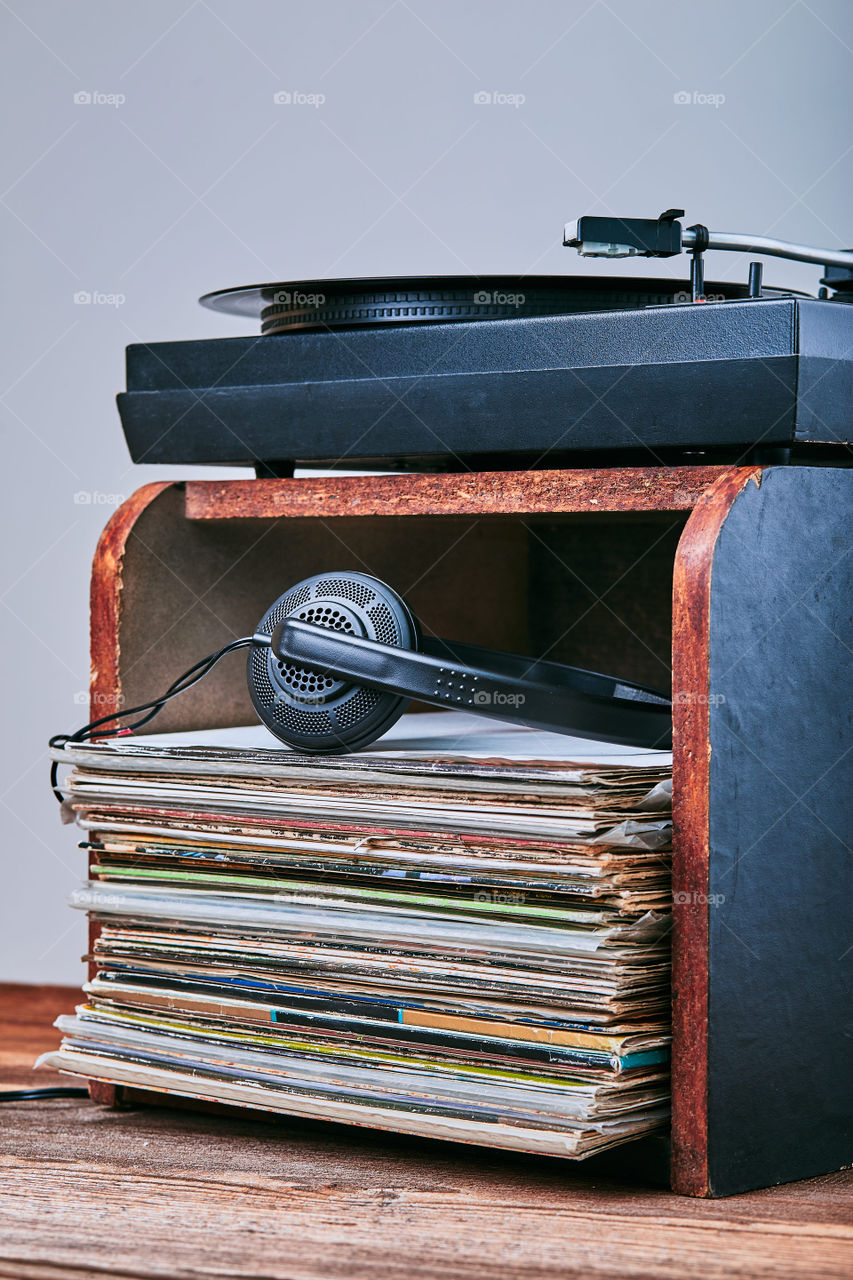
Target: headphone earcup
point(314, 712)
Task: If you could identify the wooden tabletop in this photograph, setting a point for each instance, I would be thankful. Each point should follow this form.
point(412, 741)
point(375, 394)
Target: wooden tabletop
point(86, 1192)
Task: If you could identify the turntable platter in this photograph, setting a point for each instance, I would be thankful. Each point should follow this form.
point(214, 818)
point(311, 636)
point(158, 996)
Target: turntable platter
point(353, 304)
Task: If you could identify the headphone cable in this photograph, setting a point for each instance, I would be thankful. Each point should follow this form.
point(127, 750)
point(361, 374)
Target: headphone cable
point(151, 709)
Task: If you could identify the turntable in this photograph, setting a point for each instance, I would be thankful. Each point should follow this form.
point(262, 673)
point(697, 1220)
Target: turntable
point(464, 372)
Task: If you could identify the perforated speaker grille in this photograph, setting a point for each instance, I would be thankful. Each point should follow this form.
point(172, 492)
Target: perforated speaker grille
point(313, 710)
point(382, 618)
point(363, 702)
point(314, 721)
point(348, 589)
point(259, 682)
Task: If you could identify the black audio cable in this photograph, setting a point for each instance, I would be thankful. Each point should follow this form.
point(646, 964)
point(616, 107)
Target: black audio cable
point(183, 682)
point(51, 1091)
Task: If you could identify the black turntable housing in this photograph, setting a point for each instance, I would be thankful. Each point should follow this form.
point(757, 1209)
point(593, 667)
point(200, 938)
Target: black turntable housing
point(461, 373)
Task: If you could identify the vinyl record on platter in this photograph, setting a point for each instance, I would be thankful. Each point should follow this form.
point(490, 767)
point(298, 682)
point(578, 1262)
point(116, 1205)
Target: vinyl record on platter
point(352, 304)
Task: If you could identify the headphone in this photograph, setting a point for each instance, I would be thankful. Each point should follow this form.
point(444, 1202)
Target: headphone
point(338, 657)
point(335, 660)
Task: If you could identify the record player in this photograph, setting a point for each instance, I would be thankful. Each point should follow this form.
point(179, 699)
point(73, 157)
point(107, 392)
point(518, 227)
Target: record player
point(461, 372)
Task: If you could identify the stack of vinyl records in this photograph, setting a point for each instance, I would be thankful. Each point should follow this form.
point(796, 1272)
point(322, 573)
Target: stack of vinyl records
point(462, 933)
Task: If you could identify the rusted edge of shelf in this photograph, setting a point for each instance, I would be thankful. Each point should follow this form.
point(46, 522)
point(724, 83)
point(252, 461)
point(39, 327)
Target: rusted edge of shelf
point(105, 598)
point(691, 768)
point(482, 493)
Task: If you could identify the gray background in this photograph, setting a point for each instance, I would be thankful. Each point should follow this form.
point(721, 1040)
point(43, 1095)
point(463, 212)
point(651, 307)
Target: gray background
point(199, 180)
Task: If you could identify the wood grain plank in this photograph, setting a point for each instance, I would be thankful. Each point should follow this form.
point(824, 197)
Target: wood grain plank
point(87, 1192)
